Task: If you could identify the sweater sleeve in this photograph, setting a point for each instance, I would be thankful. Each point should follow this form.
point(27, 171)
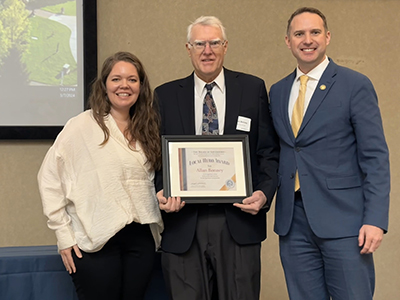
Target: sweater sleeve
point(53, 185)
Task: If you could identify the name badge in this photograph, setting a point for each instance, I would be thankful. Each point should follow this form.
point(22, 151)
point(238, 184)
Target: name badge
point(243, 124)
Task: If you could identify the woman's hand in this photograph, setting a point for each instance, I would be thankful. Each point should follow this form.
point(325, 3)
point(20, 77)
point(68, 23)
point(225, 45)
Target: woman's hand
point(66, 255)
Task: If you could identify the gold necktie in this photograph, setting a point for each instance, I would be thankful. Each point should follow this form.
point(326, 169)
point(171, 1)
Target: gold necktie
point(297, 117)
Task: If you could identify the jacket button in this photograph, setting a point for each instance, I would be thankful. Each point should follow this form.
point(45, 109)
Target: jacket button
point(298, 149)
point(291, 176)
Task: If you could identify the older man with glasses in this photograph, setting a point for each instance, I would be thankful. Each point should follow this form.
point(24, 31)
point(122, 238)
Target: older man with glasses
point(212, 251)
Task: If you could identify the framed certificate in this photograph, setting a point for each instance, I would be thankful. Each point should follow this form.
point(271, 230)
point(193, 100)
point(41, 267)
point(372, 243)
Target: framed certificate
point(206, 168)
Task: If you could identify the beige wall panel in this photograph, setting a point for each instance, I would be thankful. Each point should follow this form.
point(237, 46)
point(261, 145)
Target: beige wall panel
point(22, 222)
point(364, 38)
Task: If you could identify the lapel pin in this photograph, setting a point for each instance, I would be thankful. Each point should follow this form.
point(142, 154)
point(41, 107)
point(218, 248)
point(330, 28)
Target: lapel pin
point(322, 87)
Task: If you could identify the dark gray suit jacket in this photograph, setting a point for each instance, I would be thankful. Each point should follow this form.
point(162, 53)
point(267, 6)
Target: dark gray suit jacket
point(245, 96)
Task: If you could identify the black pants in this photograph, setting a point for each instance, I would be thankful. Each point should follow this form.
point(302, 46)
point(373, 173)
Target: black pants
point(215, 267)
point(120, 270)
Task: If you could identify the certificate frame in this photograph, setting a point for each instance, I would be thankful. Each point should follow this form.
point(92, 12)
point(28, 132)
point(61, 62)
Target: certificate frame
point(191, 170)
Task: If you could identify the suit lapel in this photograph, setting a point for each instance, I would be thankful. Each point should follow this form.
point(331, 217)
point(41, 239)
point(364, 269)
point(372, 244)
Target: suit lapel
point(285, 104)
point(324, 85)
point(233, 92)
point(186, 104)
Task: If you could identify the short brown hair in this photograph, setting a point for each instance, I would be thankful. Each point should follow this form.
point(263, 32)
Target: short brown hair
point(310, 10)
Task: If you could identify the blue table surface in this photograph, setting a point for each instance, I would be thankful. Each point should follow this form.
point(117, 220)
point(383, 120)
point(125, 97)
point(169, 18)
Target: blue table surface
point(34, 273)
point(37, 273)
point(28, 251)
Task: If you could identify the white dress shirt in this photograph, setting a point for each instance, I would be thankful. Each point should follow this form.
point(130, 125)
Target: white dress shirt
point(219, 96)
point(314, 76)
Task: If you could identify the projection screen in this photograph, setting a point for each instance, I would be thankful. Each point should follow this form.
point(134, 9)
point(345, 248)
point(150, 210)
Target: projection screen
point(48, 58)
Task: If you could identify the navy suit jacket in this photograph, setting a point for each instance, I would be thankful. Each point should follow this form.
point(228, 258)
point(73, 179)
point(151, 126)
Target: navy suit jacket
point(246, 96)
point(340, 153)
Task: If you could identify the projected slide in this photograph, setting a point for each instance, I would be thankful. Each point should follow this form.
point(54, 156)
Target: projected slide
point(41, 62)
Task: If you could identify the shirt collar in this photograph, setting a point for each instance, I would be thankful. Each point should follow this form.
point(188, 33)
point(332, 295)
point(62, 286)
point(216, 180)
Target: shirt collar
point(315, 73)
point(200, 84)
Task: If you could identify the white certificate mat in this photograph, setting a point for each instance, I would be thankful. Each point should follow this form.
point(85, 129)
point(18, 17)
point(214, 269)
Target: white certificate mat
point(203, 168)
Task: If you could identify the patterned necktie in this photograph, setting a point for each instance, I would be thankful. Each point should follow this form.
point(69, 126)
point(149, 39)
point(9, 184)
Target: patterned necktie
point(210, 115)
point(297, 117)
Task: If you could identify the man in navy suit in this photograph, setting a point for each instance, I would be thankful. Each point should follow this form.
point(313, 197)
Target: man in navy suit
point(213, 251)
point(330, 226)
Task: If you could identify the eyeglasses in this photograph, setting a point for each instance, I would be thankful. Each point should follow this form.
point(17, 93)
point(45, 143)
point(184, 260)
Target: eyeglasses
point(201, 45)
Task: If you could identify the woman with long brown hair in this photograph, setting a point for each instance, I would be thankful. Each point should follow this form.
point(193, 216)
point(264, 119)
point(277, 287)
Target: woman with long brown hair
point(96, 185)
